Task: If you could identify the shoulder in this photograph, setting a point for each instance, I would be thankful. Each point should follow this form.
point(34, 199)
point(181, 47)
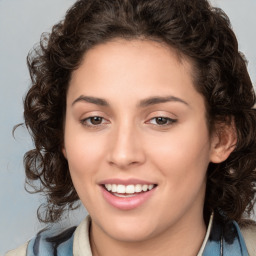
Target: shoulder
point(47, 242)
point(20, 251)
point(71, 241)
point(248, 229)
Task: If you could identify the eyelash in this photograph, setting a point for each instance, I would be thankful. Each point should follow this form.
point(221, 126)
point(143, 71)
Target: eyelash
point(92, 126)
point(168, 119)
point(97, 126)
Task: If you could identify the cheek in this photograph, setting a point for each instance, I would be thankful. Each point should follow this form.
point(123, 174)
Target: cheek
point(183, 153)
point(84, 152)
point(84, 155)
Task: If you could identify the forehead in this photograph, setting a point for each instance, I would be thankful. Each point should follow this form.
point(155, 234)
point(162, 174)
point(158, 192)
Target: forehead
point(135, 51)
point(133, 69)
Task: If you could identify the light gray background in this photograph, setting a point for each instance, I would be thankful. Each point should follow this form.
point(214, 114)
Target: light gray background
point(21, 24)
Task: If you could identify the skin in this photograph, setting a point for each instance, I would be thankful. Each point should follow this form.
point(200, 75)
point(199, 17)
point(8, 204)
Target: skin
point(128, 142)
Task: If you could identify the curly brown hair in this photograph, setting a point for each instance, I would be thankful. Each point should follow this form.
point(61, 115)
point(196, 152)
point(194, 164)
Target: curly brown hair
point(196, 30)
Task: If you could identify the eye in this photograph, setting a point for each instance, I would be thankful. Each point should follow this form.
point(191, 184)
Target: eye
point(93, 121)
point(162, 121)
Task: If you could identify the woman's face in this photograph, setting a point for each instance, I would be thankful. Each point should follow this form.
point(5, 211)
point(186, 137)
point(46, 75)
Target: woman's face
point(135, 120)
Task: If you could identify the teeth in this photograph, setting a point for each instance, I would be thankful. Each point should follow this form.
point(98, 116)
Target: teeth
point(113, 187)
point(129, 189)
point(122, 195)
point(145, 187)
point(120, 189)
point(138, 188)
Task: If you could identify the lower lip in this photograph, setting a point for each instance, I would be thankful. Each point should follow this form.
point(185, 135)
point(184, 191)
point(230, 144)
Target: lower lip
point(127, 203)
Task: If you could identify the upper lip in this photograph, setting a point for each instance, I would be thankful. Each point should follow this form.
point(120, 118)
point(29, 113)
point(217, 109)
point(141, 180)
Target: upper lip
point(125, 181)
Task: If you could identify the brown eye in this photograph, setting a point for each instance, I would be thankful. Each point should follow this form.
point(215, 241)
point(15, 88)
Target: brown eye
point(96, 120)
point(93, 121)
point(161, 120)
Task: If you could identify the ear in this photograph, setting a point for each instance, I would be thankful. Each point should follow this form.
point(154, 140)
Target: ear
point(64, 152)
point(224, 140)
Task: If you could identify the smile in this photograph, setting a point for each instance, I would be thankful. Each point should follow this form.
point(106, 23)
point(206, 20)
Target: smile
point(128, 189)
point(127, 196)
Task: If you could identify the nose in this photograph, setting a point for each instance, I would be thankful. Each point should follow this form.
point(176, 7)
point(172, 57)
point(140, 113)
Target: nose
point(126, 148)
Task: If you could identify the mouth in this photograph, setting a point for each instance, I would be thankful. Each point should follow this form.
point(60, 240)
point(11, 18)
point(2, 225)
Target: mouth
point(129, 190)
point(127, 196)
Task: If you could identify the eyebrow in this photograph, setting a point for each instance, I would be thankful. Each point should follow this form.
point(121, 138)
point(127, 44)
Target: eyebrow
point(93, 100)
point(157, 100)
point(142, 104)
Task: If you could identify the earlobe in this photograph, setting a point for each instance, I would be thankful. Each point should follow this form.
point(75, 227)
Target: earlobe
point(223, 143)
point(64, 152)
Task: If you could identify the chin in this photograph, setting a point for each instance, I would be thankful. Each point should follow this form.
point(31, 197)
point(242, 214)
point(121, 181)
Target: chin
point(130, 230)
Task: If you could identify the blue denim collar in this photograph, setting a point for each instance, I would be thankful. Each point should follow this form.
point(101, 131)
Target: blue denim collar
point(224, 240)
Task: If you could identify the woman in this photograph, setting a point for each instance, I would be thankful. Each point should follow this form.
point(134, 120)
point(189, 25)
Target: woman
point(143, 110)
